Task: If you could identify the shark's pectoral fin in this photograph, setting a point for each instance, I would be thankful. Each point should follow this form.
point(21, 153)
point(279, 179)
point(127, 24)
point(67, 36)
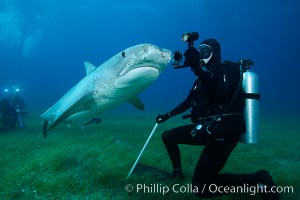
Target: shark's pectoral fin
point(89, 67)
point(95, 120)
point(137, 102)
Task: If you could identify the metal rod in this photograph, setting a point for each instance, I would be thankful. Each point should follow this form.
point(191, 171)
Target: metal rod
point(142, 151)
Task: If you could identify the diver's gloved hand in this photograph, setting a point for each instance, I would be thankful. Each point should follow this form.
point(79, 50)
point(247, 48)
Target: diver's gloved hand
point(192, 57)
point(163, 118)
point(177, 55)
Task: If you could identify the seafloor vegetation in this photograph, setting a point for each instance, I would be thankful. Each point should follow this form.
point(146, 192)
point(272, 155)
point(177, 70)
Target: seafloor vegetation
point(93, 163)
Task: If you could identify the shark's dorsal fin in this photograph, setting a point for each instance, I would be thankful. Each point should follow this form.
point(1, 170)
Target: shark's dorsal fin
point(89, 67)
point(137, 102)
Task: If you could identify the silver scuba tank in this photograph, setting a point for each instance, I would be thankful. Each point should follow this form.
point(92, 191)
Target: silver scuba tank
point(251, 112)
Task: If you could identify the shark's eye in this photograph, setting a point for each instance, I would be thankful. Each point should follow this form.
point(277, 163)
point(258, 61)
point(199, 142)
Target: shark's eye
point(123, 54)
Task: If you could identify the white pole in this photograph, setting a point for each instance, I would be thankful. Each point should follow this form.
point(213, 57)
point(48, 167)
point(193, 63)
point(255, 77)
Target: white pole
point(145, 145)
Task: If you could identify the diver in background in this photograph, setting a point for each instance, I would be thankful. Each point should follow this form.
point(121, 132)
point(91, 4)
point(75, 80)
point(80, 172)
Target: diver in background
point(12, 94)
point(14, 98)
point(217, 103)
point(9, 118)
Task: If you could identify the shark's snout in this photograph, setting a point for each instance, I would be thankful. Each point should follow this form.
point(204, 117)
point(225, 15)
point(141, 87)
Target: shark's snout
point(166, 54)
point(148, 56)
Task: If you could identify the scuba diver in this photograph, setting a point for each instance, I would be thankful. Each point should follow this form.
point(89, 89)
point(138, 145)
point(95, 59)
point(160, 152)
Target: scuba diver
point(9, 118)
point(12, 94)
point(217, 105)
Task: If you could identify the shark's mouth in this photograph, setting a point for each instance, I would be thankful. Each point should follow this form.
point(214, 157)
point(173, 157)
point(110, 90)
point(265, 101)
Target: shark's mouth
point(138, 76)
point(138, 67)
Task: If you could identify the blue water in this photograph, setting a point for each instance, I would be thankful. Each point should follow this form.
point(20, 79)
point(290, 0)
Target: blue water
point(44, 43)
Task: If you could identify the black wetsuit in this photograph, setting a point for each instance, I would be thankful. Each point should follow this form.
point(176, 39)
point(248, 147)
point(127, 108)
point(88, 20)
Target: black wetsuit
point(217, 102)
point(218, 94)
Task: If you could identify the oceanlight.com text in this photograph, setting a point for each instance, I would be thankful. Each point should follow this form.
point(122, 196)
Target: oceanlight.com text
point(212, 188)
point(251, 190)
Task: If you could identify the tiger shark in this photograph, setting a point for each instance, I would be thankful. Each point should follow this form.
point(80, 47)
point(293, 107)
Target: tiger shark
point(120, 79)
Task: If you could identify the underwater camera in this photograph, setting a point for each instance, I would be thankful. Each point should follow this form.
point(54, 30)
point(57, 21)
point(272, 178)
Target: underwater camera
point(189, 38)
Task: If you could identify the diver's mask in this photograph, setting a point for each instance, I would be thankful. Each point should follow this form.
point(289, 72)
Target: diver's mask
point(206, 53)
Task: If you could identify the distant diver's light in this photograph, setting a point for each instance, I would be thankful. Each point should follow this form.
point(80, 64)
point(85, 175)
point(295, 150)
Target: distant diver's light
point(17, 90)
point(5, 90)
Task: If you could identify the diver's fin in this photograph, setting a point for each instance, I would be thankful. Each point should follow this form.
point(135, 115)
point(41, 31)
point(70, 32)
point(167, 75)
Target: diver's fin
point(89, 67)
point(45, 128)
point(137, 102)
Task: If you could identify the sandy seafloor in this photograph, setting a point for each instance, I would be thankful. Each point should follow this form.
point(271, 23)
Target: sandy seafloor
point(94, 163)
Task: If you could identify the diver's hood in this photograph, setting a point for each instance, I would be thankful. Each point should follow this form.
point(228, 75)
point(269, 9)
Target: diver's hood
point(216, 52)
